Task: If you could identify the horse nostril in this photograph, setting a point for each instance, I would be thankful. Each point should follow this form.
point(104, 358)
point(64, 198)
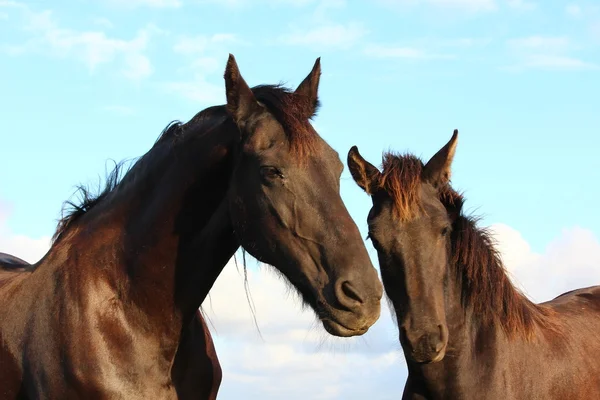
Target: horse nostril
point(347, 295)
point(428, 344)
point(438, 346)
point(350, 292)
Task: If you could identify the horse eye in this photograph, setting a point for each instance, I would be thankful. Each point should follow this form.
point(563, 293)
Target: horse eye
point(445, 231)
point(270, 173)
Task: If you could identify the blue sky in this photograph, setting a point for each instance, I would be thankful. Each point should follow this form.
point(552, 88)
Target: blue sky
point(88, 81)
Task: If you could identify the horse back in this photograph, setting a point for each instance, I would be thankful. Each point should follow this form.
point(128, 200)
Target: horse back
point(584, 300)
point(11, 269)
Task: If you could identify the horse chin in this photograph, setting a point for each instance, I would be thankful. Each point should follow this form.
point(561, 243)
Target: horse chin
point(429, 359)
point(439, 357)
point(337, 329)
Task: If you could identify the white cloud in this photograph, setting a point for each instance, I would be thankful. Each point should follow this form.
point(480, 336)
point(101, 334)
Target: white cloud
point(25, 247)
point(273, 3)
point(573, 10)
point(197, 90)
point(463, 5)
point(546, 52)
point(92, 48)
point(460, 42)
point(320, 14)
point(319, 31)
point(537, 42)
point(387, 51)
point(294, 358)
point(521, 5)
point(426, 48)
point(194, 45)
point(332, 35)
point(570, 261)
point(103, 22)
point(137, 67)
point(555, 62)
point(11, 4)
point(207, 55)
point(551, 62)
point(147, 3)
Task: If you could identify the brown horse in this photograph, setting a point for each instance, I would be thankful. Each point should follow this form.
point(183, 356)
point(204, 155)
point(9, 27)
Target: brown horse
point(466, 332)
point(111, 310)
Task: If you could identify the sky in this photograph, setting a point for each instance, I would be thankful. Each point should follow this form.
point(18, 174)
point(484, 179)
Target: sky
point(86, 82)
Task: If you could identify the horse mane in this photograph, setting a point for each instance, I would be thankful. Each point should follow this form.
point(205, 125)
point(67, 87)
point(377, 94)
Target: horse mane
point(401, 178)
point(287, 107)
point(293, 112)
point(485, 285)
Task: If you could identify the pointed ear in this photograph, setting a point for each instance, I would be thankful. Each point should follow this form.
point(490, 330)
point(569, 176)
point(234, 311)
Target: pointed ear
point(365, 174)
point(437, 170)
point(241, 102)
point(309, 89)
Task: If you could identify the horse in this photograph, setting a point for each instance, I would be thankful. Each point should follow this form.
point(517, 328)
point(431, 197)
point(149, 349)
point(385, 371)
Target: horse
point(111, 311)
point(465, 330)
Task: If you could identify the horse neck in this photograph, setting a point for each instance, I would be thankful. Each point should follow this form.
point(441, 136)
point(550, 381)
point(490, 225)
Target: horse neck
point(165, 229)
point(190, 234)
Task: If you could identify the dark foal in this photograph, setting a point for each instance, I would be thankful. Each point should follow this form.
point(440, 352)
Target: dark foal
point(466, 332)
point(110, 312)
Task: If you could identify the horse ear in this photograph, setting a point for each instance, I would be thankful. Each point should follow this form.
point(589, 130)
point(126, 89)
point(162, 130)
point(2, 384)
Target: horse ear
point(365, 174)
point(438, 169)
point(241, 102)
point(309, 89)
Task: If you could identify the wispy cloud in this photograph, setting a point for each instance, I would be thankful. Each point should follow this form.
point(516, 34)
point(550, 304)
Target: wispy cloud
point(92, 48)
point(272, 3)
point(102, 22)
point(390, 51)
point(458, 42)
point(573, 10)
point(538, 42)
point(342, 36)
point(205, 54)
point(463, 5)
point(428, 48)
point(521, 5)
point(195, 45)
point(147, 3)
point(546, 52)
point(197, 90)
point(321, 31)
point(11, 4)
point(555, 62)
